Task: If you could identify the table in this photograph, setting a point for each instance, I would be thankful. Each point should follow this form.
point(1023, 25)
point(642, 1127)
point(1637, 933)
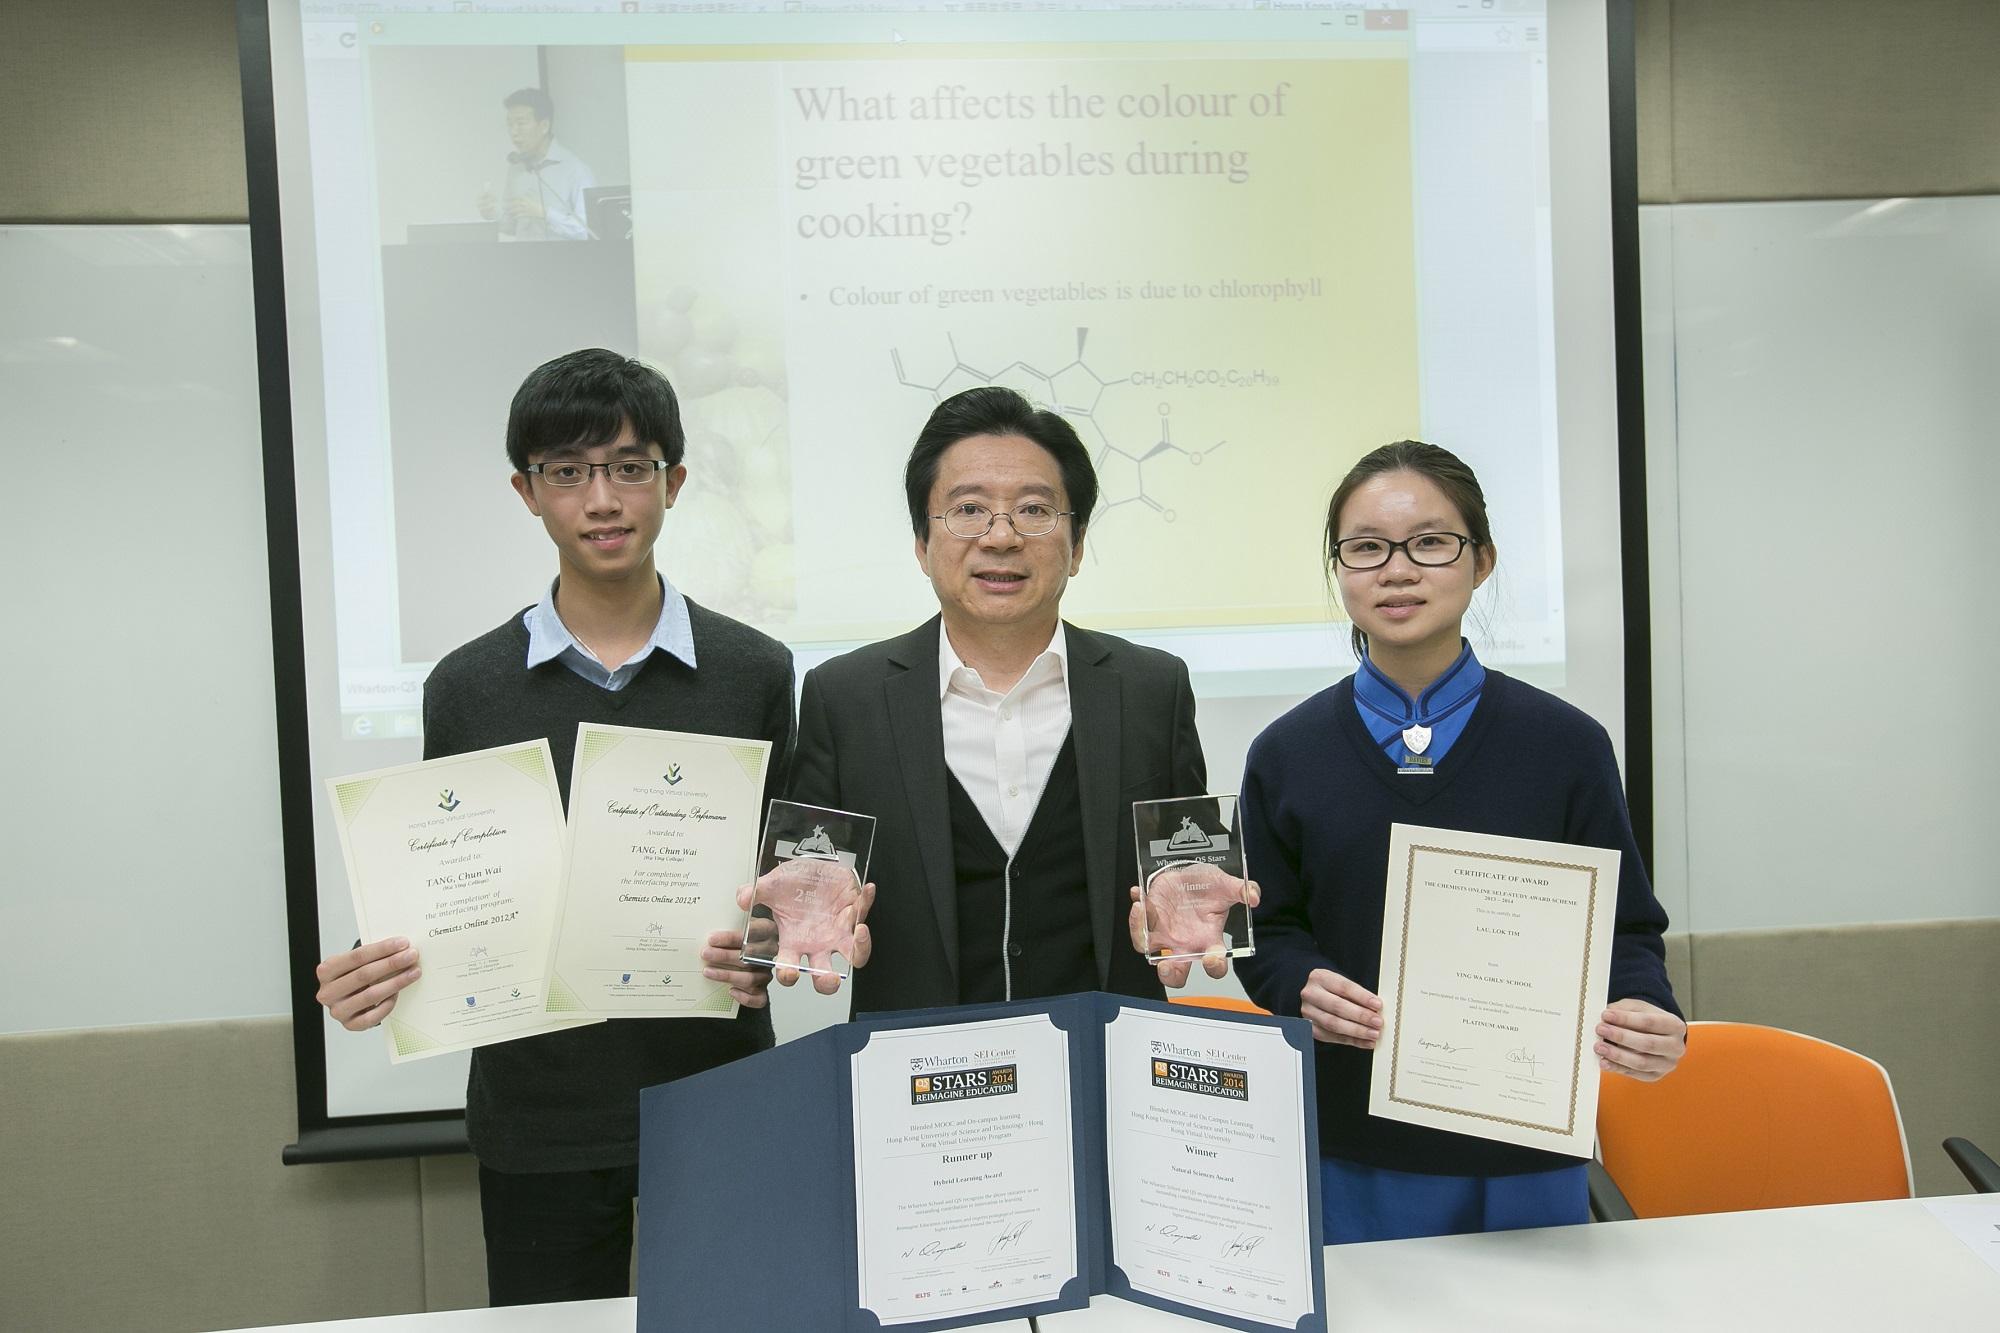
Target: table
point(1868, 1266)
point(1842, 1266)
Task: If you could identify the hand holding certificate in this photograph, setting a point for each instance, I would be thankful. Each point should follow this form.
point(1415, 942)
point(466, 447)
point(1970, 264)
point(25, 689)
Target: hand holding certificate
point(663, 831)
point(463, 856)
point(1495, 958)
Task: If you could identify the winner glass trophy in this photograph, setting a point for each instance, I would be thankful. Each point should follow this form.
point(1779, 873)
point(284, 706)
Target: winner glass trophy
point(807, 897)
point(1192, 879)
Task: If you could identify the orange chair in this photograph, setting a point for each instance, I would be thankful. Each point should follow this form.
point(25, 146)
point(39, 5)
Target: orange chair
point(1754, 1117)
point(1234, 1003)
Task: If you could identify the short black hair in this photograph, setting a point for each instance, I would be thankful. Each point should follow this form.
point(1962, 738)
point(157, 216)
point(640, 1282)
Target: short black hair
point(994, 410)
point(535, 100)
point(583, 399)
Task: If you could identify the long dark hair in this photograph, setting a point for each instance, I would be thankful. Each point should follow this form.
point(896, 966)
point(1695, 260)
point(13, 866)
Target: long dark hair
point(1442, 467)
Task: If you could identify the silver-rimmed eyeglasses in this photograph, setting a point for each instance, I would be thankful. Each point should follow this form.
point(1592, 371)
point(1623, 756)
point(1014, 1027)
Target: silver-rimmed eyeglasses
point(975, 520)
point(624, 471)
point(1426, 548)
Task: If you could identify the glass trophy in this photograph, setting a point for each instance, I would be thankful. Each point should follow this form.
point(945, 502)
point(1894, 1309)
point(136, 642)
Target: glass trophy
point(1191, 879)
point(807, 897)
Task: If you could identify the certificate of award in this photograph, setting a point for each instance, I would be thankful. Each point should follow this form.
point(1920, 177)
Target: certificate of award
point(1192, 879)
point(1207, 1159)
point(1495, 957)
point(464, 857)
point(663, 831)
point(964, 1185)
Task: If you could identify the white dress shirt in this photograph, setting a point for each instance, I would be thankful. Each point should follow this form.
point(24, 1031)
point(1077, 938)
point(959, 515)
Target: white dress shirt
point(558, 181)
point(1001, 747)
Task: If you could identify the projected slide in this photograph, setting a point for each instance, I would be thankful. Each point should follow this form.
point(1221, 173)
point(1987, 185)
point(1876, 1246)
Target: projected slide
point(1237, 249)
point(1205, 264)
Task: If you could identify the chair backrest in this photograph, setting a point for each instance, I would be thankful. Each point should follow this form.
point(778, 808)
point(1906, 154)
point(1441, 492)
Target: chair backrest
point(1754, 1117)
point(1235, 1003)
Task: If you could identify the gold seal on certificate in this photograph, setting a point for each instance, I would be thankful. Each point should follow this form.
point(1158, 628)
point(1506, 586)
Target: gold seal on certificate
point(1495, 957)
point(1192, 878)
point(663, 830)
point(463, 856)
point(807, 897)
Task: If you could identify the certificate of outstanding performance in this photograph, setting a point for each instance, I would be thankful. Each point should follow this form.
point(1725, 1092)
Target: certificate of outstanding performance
point(1495, 957)
point(663, 830)
point(1207, 1160)
point(464, 857)
point(964, 1185)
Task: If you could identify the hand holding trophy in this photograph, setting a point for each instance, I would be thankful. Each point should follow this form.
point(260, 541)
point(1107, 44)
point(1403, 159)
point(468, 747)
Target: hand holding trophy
point(808, 902)
point(1194, 897)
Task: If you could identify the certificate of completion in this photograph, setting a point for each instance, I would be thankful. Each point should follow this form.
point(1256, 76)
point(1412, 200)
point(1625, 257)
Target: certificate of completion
point(1495, 957)
point(1207, 1156)
point(464, 857)
point(663, 830)
point(964, 1188)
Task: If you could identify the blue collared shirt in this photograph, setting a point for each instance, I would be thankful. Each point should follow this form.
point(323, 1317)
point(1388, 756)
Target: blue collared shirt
point(1446, 705)
point(549, 638)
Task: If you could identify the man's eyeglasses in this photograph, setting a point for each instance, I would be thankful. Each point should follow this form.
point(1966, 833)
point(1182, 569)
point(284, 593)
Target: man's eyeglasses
point(974, 520)
point(625, 471)
point(1426, 548)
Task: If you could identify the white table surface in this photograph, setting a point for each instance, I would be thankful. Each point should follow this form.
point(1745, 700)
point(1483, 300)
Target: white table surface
point(614, 1316)
point(1875, 1266)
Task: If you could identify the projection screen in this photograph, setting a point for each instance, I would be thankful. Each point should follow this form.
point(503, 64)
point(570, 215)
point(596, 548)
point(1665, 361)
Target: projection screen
point(1237, 245)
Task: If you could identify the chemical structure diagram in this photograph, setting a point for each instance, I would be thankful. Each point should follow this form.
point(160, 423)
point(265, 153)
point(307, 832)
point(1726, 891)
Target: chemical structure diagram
point(1075, 391)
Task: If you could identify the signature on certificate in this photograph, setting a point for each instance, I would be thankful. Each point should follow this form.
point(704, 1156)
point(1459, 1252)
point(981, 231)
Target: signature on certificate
point(1011, 1237)
point(933, 1249)
point(1242, 1246)
point(1171, 1233)
point(1440, 1047)
point(1521, 1055)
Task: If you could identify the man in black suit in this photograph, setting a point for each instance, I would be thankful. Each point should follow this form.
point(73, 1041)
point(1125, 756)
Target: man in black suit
point(999, 748)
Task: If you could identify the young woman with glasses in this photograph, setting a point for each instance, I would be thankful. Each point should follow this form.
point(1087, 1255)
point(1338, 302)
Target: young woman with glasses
point(1423, 734)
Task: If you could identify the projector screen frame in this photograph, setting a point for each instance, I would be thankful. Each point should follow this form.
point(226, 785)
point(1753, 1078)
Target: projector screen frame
point(325, 1138)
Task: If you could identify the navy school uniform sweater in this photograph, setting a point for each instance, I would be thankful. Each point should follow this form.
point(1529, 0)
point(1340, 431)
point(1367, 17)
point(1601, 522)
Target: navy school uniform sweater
point(1318, 799)
point(569, 1100)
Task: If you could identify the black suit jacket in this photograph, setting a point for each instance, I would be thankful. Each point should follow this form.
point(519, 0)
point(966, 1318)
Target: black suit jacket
point(871, 740)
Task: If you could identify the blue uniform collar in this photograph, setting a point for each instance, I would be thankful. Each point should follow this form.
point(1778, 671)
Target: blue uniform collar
point(1449, 699)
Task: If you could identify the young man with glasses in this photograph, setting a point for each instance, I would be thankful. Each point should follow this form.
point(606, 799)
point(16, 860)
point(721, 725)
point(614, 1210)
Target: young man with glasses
point(596, 443)
point(999, 748)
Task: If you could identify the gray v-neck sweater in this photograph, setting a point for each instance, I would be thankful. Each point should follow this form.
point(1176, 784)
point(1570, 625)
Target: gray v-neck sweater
point(569, 1101)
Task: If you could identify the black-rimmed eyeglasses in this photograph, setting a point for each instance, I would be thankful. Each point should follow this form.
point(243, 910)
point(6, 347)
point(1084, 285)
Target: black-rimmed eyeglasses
point(1426, 548)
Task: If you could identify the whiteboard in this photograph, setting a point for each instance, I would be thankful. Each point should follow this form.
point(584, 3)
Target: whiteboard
point(1827, 372)
point(139, 809)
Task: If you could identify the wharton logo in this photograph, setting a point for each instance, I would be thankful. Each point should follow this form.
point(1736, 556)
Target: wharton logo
point(448, 802)
point(960, 1085)
point(1208, 1080)
point(472, 1001)
point(672, 777)
point(1188, 838)
point(625, 980)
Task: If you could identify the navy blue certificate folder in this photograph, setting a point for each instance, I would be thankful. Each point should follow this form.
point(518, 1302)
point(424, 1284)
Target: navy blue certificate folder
point(747, 1180)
